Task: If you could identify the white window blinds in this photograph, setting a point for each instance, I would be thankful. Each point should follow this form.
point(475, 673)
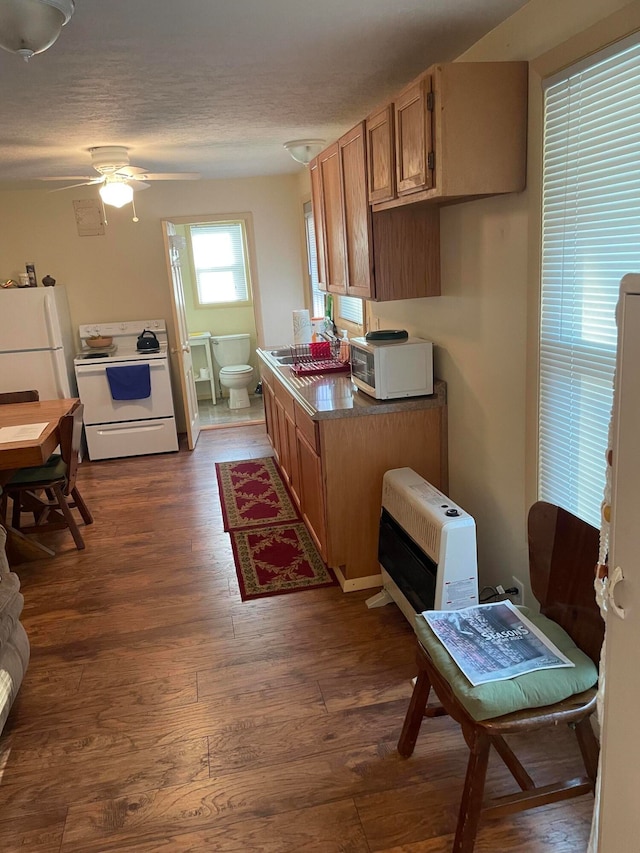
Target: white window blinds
point(350, 308)
point(317, 295)
point(219, 257)
point(591, 238)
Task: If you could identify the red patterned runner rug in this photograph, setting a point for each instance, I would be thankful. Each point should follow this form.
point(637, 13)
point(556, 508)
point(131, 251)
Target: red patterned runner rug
point(253, 494)
point(277, 559)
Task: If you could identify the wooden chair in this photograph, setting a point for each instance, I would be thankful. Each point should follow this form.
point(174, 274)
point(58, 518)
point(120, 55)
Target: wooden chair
point(57, 477)
point(563, 552)
point(19, 397)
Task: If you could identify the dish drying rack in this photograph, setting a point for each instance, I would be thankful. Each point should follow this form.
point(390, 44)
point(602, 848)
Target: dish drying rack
point(319, 357)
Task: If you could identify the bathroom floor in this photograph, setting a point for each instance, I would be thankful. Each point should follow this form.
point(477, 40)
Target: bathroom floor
point(219, 414)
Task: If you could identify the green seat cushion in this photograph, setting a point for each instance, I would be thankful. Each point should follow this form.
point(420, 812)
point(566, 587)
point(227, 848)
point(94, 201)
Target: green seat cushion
point(53, 469)
point(531, 690)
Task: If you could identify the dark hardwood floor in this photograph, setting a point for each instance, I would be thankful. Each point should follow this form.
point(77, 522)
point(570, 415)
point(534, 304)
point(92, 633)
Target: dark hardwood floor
point(160, 713)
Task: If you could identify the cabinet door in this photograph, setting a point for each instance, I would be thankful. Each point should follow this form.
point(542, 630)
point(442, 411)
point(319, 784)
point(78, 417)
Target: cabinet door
point(275, 426)
point(381, 155)
point(318, 223)
point(357, 213)
point(282, 446)
point(269, 416)
point(294, 464)
point(312, 493)
point(414, 149)
point(330, 188)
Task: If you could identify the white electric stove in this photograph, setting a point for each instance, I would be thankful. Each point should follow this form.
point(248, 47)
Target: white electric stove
point(125, 427)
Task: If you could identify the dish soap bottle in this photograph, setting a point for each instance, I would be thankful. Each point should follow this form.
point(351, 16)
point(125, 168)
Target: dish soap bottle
point(344, 347)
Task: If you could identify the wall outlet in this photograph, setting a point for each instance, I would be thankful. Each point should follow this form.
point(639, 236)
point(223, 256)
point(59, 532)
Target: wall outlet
point(517, 597)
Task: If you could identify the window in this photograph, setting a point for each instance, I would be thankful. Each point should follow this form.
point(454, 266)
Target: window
point(591, 238)
point(317, 295)
point(219, 251)
point(350, 309)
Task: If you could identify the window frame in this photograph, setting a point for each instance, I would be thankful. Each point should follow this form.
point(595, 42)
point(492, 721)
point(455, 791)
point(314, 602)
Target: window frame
point(353, 328)
point(586, 505)
point(311, 248)
point(247, 252)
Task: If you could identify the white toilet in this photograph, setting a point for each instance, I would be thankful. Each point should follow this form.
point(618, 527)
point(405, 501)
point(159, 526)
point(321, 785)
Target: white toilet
point(231, 353)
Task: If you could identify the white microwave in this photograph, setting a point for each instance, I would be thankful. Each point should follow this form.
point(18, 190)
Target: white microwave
point(388, 370)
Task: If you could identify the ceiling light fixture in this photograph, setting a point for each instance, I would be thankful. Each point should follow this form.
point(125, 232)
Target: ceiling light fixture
point(116, 193)
point(304, 150)
point(28, 27)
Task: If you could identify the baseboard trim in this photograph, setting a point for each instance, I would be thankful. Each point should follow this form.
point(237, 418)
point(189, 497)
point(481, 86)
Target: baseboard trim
point(367, 582)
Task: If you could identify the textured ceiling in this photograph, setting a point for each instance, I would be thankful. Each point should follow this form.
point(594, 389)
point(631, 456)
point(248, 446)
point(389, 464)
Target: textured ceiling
point(217, 86)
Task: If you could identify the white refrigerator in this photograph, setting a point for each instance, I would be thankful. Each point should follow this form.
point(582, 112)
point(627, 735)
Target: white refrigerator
point(620, 768)
point(37, 345)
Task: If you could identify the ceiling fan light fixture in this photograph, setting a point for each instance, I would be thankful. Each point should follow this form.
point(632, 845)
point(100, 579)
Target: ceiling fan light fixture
point(116, 193)
point(304, 150)
point(28, 27)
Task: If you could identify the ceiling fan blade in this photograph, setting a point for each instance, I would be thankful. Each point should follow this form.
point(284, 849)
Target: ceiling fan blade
point(171, 176)
point(137, 173)
point(74, 186)
point(69, 178)
point(138, 185)
point(130, 171)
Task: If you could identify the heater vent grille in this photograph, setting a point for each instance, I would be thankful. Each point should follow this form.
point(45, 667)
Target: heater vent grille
point(417, 523)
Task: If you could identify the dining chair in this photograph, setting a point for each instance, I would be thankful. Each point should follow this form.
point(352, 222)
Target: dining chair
point(57, 478)
point(563, 552)
point(19, 397)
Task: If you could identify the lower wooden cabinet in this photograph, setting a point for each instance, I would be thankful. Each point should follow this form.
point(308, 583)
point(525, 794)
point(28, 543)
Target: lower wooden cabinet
point(269, 406)
point(283, 444)
point(334, 468)
point(312, 493)
point(293, 471)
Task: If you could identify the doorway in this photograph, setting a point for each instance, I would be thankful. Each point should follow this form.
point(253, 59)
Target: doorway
point(219, 298)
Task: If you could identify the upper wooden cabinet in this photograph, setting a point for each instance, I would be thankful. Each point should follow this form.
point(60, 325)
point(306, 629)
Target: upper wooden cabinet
point(459, 131)
point(413, 146)
point(357, 215)
point(381, 161)
point(391, 255)
point(333, 219)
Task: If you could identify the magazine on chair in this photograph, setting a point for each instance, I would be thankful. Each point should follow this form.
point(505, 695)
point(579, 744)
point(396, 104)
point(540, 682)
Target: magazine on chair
point(494, 642)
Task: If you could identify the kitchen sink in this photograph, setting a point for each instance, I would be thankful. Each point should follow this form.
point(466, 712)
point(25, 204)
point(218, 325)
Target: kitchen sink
point(282, 356)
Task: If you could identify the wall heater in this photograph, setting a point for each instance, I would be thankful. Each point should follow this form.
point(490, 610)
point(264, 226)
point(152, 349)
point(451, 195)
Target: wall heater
point(426, 548)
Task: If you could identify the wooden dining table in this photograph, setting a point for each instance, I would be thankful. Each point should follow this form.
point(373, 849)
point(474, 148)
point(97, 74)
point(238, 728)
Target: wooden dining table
point(30, 453)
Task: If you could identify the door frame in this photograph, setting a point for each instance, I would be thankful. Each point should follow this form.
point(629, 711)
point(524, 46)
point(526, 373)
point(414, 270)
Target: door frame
point(247, 216)
point(200, 219)
point(181, 350)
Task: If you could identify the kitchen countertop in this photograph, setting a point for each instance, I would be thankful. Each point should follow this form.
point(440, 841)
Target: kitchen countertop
point(333, 395)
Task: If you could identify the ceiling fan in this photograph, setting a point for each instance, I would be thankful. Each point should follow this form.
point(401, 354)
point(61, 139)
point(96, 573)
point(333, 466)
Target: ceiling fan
point(117, 178)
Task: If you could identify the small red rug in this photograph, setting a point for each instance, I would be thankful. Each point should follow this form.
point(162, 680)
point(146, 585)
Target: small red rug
point(252, 494)
point(277, 559)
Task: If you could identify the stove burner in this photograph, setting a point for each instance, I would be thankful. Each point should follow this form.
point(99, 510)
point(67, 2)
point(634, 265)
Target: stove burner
point(95, 354)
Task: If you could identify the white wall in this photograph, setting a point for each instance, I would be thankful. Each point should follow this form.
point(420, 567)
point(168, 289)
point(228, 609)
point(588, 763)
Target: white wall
point(123, 275)
point(484, 324)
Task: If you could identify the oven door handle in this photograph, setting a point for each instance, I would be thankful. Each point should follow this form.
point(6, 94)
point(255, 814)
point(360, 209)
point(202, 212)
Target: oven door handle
point(100, 369)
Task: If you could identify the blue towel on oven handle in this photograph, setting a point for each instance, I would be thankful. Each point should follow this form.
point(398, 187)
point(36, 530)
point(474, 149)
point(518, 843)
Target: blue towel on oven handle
point(132, 382)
